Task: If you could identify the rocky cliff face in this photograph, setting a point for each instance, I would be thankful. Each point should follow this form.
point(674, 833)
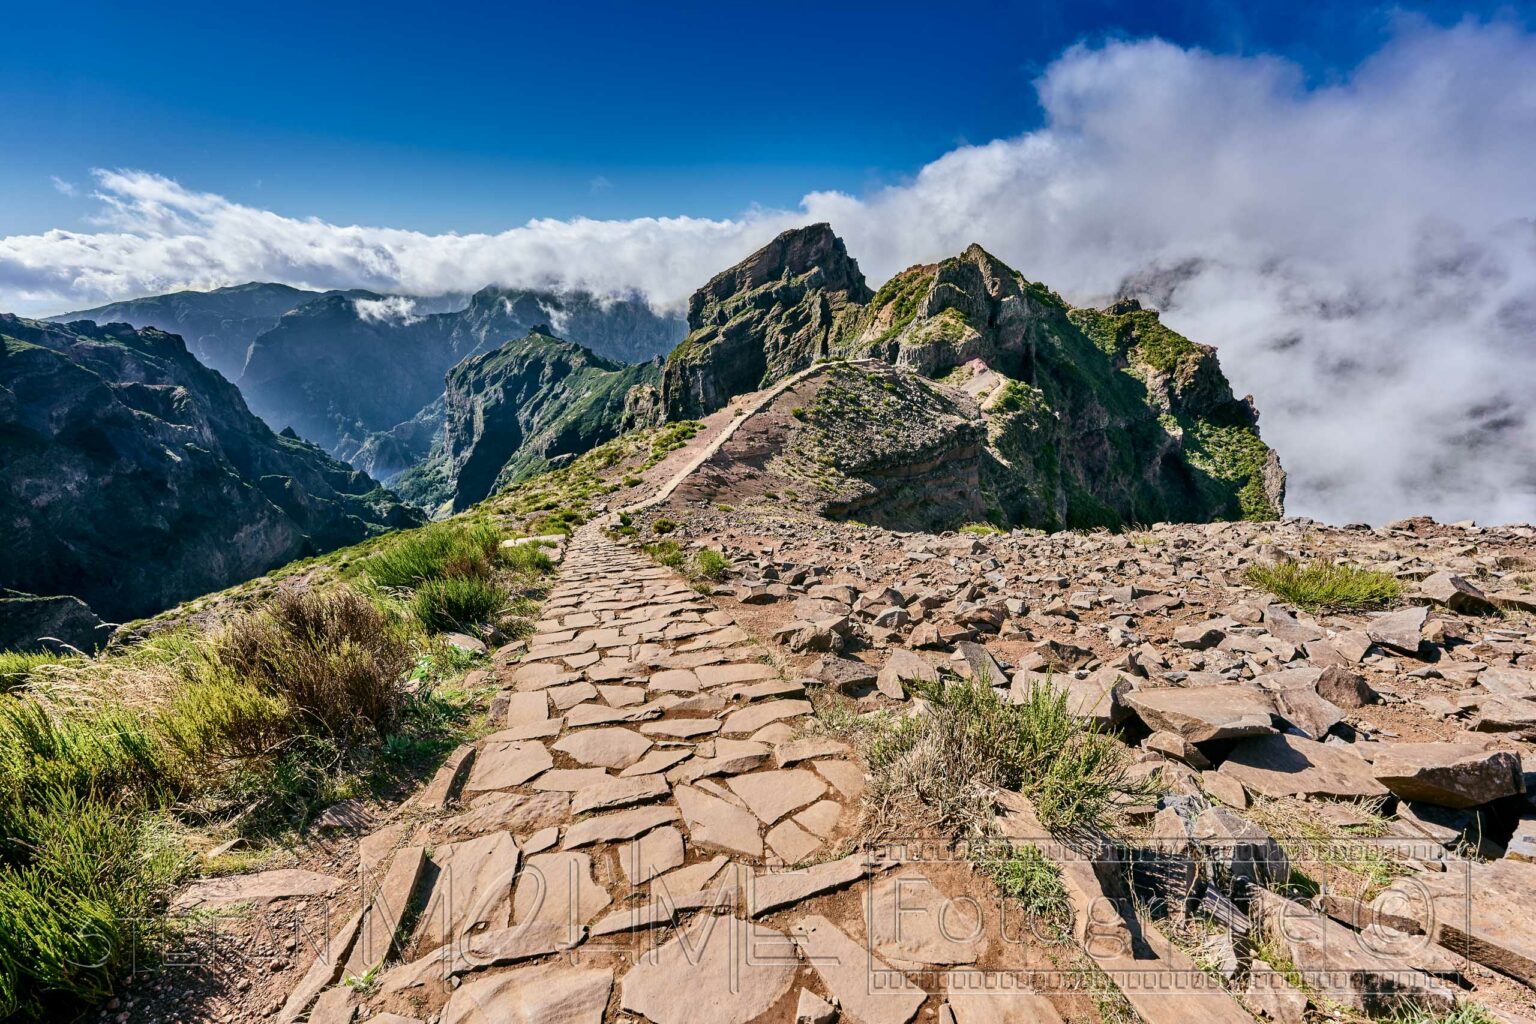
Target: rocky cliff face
point(772, 314)
point(1091, 417)
point(528, 404)
point(136, 477)
point(341, 369)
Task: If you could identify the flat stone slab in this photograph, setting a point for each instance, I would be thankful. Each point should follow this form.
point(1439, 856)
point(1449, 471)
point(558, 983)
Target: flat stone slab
point(509, 945)
point(1446, 774)
point(790, 754)
point(713, 822)
point(723, 675)
point(514, 812)
point(610, 828)
point(846, 967)
point(504, 765)
point(771, 795)
point(1480, 911)
point(525, 708)
point(678, 680)
point(989, 998)
point(473, 882)
point(775, 889)
point(558, 888)
point(386, 909)
point(846, 776)
point(682, 728)
point(750, 719)
point(610, 748)
point(656, 761)
point(820, 818)
point(791, 843)
point(261, 887)
point(1286, 765)
point(652, 854)
point(613, 793)
point(718, 970)
point(1204, 713)
point(911, 922)
point(570, 780)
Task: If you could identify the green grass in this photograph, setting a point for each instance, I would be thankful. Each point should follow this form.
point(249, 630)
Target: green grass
point(458, 603)
point(982, 529)
point(667, 553)
point(1466, 1013)
point(1029, 877)
point(456, 576)
point(1322, 584)
point(711, 565)
point(18, 667)
point(662, 527)
point(436, 552)
point(933, 770)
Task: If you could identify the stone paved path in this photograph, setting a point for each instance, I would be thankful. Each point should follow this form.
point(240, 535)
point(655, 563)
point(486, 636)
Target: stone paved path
point(616, 846)
point(651, 833)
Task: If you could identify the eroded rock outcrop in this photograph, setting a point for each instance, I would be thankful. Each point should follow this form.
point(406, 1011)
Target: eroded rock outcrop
point(1091, 417)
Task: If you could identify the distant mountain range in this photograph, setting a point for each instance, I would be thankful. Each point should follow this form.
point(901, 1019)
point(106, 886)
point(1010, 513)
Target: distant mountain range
point(362, 374)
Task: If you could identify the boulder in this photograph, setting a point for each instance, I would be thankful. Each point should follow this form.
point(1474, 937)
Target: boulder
point(1204, 713)
point(1402, 630)
point(1344, 688)
point(1286, 765)
point(1447, 774)
point(1451, 591)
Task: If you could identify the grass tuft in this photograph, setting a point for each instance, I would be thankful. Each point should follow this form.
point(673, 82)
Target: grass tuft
point(1322, 584)
point(458, 603)
point(436, 552)
point(934, 769)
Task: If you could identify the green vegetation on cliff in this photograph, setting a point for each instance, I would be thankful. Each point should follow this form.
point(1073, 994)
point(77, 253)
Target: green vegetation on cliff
point(1102, 417)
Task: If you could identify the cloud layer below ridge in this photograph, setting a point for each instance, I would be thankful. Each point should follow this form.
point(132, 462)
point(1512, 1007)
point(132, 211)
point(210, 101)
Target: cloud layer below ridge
point(1362, 254)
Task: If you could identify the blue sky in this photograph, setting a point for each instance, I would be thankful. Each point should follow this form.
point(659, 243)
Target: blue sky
point(1339, 197)
point(472, 117)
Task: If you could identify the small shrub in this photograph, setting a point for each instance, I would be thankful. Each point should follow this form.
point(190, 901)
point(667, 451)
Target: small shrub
point(935, 769)
point(982, 529)
point(1322, 584)
point(332, 655)
point(667, 553)
point(662, 527)
point(711, 565)
point(458, 602)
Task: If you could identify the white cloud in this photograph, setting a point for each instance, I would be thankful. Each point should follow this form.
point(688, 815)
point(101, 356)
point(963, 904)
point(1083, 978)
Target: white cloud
point(397, 308)
point(66, 188)
point(1363, 254)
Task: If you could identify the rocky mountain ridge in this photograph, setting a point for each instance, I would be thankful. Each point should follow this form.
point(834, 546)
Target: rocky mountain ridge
point(136, 477)
point(1091, 417)
point(361, 373)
